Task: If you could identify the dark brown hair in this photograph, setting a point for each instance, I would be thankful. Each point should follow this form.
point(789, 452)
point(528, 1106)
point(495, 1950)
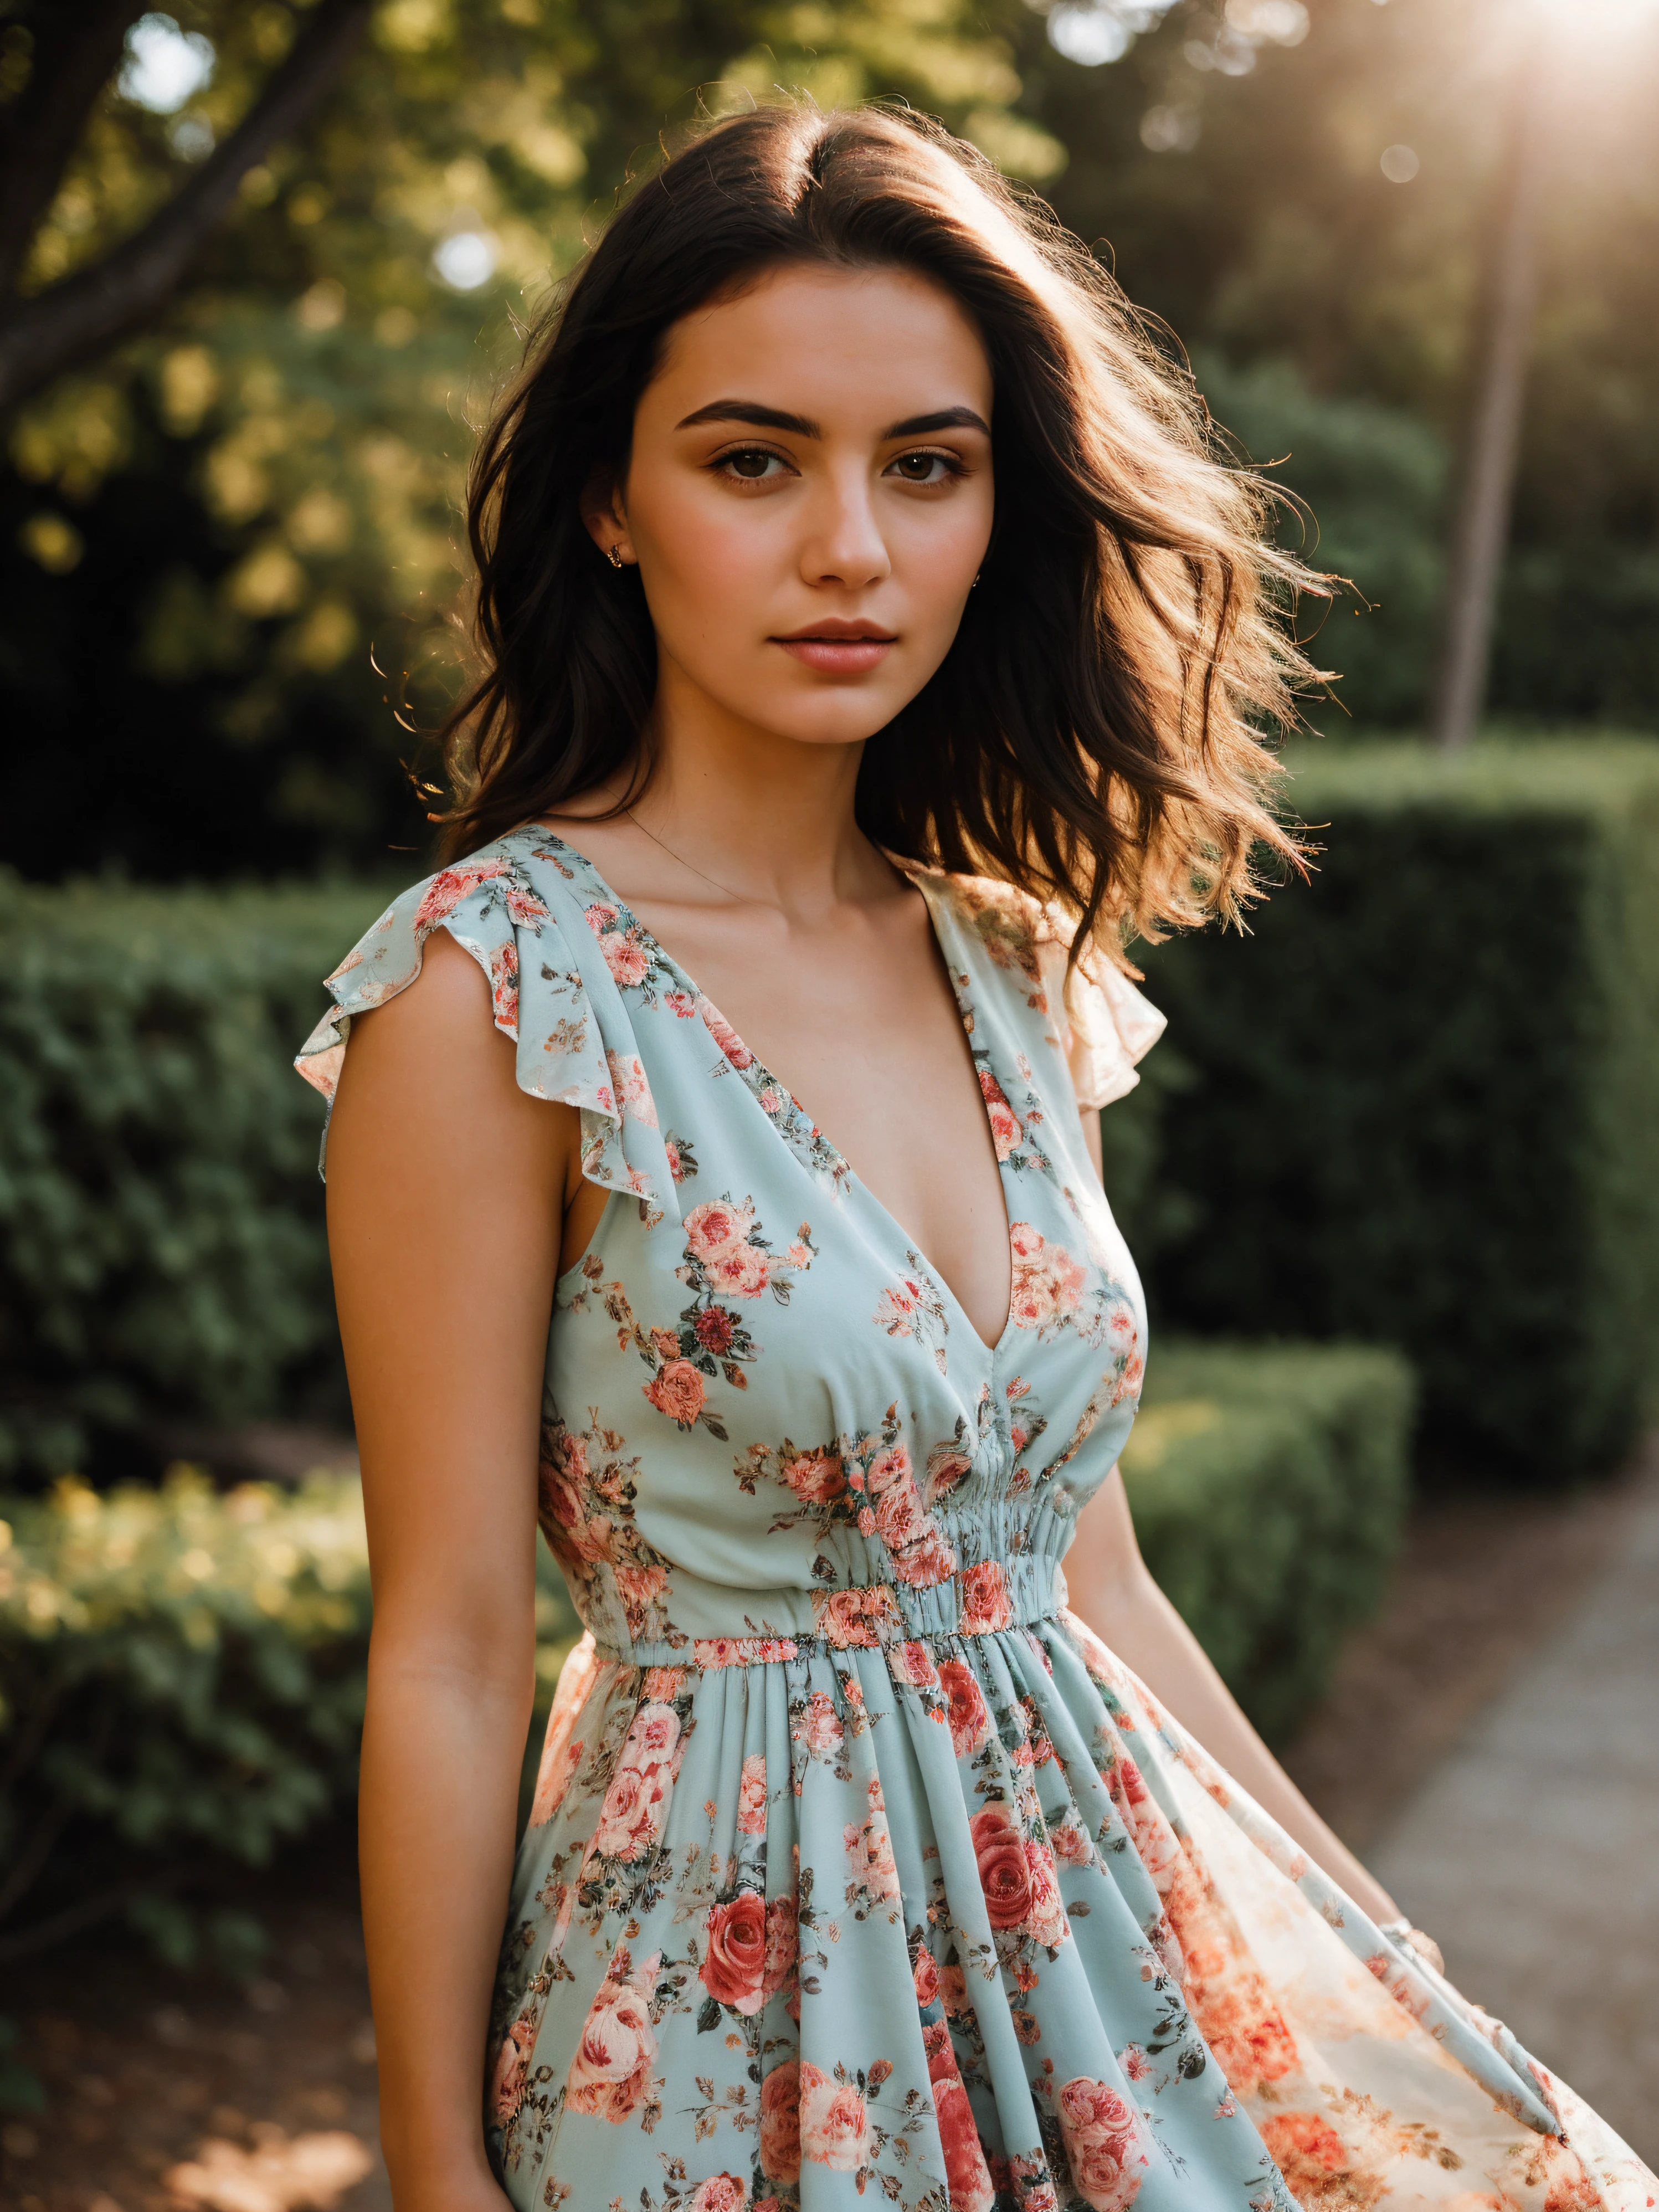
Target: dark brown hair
point(1092, 734)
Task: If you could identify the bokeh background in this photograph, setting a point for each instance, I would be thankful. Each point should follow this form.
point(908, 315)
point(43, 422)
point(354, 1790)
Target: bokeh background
point(1393, 1177)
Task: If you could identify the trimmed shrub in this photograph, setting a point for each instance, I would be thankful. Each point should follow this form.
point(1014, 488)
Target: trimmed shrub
point(1268, 1484)
point(1420, 1100)
point(181, 1688)
point(161, 1219)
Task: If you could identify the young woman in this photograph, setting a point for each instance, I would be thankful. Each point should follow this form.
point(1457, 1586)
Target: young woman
point(870, 649)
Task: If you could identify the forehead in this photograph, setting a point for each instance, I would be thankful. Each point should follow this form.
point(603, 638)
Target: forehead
point(839, 344)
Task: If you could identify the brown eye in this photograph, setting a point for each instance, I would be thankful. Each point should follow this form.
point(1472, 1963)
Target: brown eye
point(923, 468)
point(750, 464)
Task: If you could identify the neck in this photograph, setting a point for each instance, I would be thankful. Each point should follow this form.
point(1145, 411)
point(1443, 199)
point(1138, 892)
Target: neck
point(766, 817)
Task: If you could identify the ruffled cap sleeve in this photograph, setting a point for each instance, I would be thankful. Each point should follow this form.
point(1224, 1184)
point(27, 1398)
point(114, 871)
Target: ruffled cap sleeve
point(551, 991)
point(1106, 1026)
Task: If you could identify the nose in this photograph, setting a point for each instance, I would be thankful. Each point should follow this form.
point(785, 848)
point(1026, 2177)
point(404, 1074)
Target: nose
point(843, 543)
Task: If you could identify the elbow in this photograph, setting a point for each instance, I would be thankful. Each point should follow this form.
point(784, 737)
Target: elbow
point(479, 1653)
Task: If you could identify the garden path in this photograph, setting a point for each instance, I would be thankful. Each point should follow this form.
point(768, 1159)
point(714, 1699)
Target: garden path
point(1532, 1853)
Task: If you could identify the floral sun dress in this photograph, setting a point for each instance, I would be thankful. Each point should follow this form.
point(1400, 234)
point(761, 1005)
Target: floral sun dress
point(858, 1870)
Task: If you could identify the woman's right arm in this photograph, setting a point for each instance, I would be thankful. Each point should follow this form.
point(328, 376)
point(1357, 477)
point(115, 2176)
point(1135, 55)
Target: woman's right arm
point(447, 1188)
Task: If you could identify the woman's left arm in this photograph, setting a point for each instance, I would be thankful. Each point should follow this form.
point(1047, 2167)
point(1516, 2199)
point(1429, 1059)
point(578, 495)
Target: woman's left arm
point(1112, 1591)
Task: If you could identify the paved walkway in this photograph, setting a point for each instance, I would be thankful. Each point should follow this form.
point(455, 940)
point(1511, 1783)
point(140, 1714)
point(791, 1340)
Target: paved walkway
point(1532, 1853)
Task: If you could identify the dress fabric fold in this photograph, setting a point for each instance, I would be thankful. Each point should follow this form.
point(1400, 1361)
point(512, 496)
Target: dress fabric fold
point(858, 1870)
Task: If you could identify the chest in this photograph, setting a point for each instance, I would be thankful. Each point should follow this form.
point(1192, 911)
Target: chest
point(865, 1028)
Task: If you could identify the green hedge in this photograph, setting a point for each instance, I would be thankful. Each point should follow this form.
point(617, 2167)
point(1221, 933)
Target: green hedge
point(161, 1219)
point(181, 1688)
point(1419, 1100)
point(1268, 1483)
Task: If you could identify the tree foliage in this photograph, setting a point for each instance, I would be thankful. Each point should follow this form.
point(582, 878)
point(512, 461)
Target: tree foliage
point(207, 528)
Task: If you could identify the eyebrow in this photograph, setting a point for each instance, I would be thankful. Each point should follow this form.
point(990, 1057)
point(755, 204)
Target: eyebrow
point(802, 426)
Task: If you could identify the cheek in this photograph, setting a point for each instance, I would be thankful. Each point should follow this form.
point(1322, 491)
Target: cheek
point(703, 558)
point(937, 552)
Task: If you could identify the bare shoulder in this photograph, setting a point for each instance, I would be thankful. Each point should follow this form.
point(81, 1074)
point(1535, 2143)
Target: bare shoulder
point(431, 1062)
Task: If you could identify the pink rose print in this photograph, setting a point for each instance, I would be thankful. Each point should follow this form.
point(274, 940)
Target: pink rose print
point(946, 1466)
point(870, 1863)
point(1005, 1874)
point(782, 1945)
point(1102, 2133)
point(611, 2069)
point(751, 1796)
point(849, 1617)
point(1045, 1918)
point(653, 1736)
point(925, 1977)
point(677, 1390)
point(886, 1468)
point(575, 1535)
point(625, 957)
point(631, 1819)
point(1005, 1132)
point(715, 1226)
point(448, 888)
point(724, 1036)
point(819, 1727)
point(721, 2192)
point(504, 985)
point(735, 1966)
point(913, 1664)
point(524, 907)
point(985, 1605)
point(965, 2169)
point(632, 1091)
point(924, 1564)
point(1322, 2173)
point(1071, 1843)
point(899, 1520)
point(816, 1477)
point(639, 1589)
point(1048, 1285)
point(835, 2127)
point(507, 2085)
point(741, 1271)
point(970, 1718)
point(780, 2124)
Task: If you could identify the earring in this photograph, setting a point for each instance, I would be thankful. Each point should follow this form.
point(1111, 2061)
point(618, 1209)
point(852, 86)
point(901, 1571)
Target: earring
point(613, 555)
point(974, 587)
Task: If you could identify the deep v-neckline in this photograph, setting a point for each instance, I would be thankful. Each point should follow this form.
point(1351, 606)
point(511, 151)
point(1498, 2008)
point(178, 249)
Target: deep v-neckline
point(917, 878)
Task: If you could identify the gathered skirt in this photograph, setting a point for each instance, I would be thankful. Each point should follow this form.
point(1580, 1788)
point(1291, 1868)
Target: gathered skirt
point(967, 1923)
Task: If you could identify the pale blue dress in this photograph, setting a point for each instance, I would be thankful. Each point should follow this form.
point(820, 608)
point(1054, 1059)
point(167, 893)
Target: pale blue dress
point(860, 1872)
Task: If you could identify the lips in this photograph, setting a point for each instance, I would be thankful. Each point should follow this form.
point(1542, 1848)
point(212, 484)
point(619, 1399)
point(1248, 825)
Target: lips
point(836, 648)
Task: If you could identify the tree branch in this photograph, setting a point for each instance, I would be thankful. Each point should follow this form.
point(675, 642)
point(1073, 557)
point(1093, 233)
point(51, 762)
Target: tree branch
point(40, 339)
point(75, 51)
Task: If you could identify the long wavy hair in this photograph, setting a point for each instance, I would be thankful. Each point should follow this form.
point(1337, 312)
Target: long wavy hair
point(1094, 734)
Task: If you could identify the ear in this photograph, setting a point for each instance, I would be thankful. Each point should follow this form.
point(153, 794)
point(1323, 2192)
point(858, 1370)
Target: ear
point(603, 516)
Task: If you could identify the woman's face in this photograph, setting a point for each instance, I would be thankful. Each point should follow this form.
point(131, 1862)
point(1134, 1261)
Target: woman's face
point(809, 498)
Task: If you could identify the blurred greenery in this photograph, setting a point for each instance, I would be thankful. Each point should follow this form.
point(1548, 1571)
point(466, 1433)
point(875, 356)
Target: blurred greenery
point(161, 1247)
point(1419, 1102)
point(204, 533)
point(181, 1689)
point(1269, 1483)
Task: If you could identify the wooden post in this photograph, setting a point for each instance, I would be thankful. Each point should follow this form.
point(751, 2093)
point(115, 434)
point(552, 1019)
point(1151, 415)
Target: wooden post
point(1504, 340)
